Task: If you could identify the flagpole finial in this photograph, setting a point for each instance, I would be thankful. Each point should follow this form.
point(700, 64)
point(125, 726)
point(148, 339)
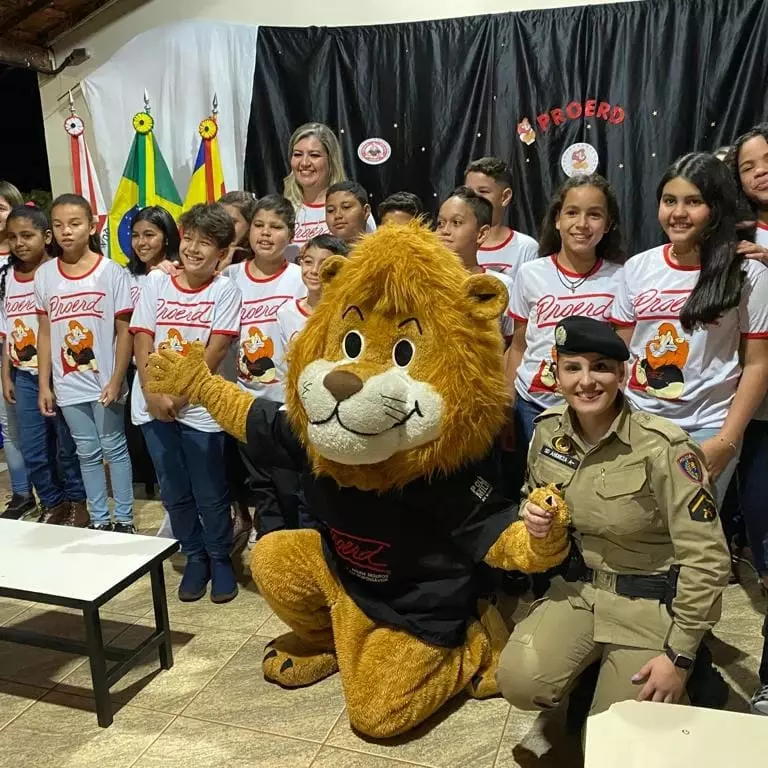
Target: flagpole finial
point(71, 103)
point(215, 104)
point(147, 106)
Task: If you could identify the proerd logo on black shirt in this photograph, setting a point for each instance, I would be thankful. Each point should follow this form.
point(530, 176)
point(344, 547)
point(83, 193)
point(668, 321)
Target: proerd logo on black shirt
point(363, 555)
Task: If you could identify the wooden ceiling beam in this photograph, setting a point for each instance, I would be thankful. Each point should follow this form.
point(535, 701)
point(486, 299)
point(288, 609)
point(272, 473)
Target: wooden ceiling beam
point(25, 12)
point(24, 56)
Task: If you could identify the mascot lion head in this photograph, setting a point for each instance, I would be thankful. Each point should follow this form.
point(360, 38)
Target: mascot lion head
point(399, 371)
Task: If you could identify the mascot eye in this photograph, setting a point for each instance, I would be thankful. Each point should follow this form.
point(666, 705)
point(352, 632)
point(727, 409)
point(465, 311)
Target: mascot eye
point(403, 352)
point(353, 345)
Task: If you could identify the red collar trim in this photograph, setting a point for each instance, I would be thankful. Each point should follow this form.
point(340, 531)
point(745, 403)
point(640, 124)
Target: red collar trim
point(79, 277)
point(679, 267)
point(190, 290)
point(578, 275)
point(264, 279)
point(500, 245)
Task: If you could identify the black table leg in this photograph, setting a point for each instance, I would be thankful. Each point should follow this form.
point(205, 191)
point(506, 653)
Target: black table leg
point(95, 643)
point(160, 601)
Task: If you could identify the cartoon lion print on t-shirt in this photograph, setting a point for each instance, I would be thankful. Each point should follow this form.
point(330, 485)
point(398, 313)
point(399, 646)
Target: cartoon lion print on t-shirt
point(77, 353)
point(661, 372)
point(175, 342)
point(256, 359)
point(23, 345)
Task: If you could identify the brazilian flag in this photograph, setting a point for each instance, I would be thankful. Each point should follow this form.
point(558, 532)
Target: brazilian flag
point(146, 181)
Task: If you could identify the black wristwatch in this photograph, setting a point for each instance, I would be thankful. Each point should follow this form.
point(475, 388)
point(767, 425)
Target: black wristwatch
point(680, 661)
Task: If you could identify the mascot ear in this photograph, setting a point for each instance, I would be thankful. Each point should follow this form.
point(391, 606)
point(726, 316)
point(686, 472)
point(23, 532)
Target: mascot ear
point(486, 297)
point(331, 267)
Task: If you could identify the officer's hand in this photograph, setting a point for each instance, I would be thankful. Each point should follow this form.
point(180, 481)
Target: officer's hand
point(663, 681)
point(537, 521)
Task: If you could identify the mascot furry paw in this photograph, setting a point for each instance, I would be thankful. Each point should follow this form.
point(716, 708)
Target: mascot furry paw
point(394, 395)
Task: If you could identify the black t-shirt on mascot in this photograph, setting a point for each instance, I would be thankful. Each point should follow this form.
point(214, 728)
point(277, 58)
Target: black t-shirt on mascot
point(418, 570)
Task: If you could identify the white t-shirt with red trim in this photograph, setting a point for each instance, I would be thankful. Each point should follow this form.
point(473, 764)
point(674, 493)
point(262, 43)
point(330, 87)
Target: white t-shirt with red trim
point(310, 222)
point(20, 322)
point(175, 317)
point(507, 257)
point(761, 238)
point(291, 319)
point(81, 312)
point(541, 298)
point(689, 378)
point(258, 353)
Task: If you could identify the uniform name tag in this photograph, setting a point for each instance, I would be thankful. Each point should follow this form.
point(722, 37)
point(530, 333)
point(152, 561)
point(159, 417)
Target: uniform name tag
point(561, 458)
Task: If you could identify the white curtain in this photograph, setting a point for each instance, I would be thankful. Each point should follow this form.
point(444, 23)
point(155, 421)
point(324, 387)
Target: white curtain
point(181, 66)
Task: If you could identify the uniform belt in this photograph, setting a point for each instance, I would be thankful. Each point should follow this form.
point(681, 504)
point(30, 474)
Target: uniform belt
point(655, 587)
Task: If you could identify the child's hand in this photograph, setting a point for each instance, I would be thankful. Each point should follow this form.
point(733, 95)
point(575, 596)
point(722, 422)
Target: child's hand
point(111, 393)
point(46, 401)
point(9, 391)
point(161, 407)
point(168, 267)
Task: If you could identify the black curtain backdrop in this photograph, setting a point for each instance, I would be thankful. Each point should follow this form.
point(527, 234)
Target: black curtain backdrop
point(676, 75)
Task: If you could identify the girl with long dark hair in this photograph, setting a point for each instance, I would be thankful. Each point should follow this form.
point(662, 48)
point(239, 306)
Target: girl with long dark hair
point(694, 313)
point(580, 256)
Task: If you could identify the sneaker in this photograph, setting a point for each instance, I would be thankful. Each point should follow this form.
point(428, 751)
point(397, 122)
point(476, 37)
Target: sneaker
point(18, 506)
point(124, 528)
point(78, 514)
point(58, 515)
point(223, 581)
point(194, 582)
point(760, 701)
point(100, 526)
point(253, 537)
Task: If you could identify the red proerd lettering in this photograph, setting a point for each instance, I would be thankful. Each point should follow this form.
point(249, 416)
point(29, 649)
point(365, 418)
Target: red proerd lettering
point(358, 551)
point(261, 310)
point(77, 305)
point(20, 305)
point(653, 303)
point(176, 312)
point(550, 309)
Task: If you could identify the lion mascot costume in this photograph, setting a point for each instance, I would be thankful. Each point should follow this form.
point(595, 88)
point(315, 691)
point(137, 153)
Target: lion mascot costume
point(394, 396)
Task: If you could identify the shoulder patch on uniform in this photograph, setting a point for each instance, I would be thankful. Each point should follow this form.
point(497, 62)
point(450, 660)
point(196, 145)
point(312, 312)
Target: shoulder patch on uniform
point(661, 426)
point(702, 507)
point(691, 466)
point(557, 410)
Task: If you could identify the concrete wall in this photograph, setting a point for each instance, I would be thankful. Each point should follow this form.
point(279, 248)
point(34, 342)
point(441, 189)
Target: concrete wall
point(110, 29)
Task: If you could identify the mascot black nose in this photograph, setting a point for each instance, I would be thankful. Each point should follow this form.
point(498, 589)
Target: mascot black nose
point(342, 384)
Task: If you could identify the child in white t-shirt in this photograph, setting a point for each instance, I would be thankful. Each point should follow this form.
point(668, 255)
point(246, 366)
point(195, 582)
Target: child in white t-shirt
point(504, 250)
point(463, 224)
point(46, 443)
point(84, 349)
point(347, 210)
point(576, 274)
point(185, 443)
point(267, 282)
point(692, 310)
point(293, 315)
point(750, 167)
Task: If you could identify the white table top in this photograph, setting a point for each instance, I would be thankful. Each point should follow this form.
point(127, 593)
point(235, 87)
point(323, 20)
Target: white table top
point(641, 734)
point(71, 563)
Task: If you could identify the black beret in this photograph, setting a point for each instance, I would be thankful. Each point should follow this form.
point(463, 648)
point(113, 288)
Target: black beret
point(577, 335)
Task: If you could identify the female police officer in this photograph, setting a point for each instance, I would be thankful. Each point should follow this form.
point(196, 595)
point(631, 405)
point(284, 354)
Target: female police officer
point(648, 559)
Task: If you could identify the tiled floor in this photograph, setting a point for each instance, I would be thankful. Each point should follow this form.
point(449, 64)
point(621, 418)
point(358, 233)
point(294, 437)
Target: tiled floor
point(214, 708)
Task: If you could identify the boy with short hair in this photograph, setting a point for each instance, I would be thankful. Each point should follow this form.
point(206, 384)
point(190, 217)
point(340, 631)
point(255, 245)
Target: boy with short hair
point(185, 443)
point(346, 210)
point(399, 208)
point(463, 224)
point(504, 250)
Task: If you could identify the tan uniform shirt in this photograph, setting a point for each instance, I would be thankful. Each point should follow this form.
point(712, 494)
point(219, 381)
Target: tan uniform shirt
point(640, 501)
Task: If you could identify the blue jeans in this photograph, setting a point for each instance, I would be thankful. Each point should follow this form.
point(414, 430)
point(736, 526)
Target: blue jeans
point(753, 491)
point(723, 480)
point(99, 434)
point(47, 446)
point(525, 413)
point(192, 475)
point(17, 470)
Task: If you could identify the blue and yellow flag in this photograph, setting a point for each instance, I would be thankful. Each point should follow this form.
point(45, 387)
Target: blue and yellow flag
point(146, 181)
point(207, 182)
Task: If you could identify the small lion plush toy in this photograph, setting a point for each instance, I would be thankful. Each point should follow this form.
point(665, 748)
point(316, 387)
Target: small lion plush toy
point(394, 395)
